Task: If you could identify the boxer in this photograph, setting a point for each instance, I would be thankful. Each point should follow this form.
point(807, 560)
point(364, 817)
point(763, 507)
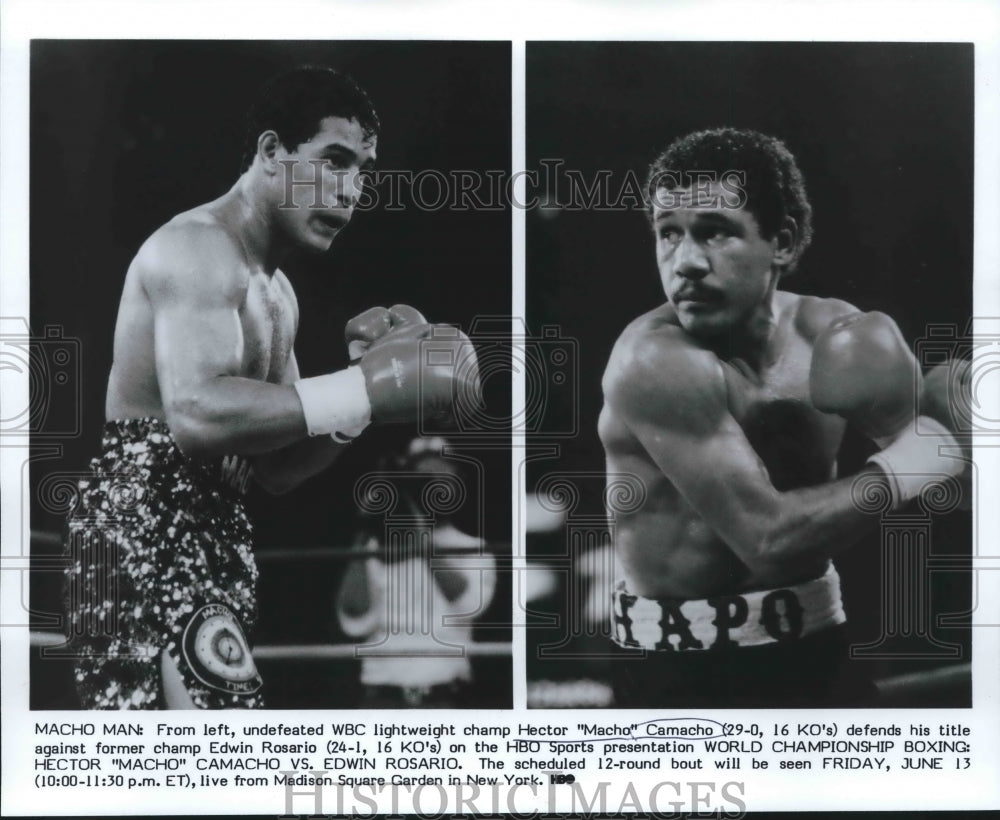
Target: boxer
point(410, 603)
point(205, 392)
point(729, 402)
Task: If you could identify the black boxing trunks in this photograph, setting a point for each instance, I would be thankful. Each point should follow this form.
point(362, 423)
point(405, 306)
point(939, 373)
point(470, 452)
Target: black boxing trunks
point(161, 561)
point(780, 647)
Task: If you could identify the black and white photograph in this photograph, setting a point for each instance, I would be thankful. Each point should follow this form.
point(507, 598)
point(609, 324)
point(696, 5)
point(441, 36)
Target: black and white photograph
point(257, 428)
point(761, 256)
point(547, 408)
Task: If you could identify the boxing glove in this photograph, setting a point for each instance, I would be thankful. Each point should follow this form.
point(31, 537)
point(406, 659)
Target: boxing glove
point(406, 370)
point(863, 371)
point(947, 398)
point(947, 394)
point(371, 325)
point(420, 371)
point(920, 456)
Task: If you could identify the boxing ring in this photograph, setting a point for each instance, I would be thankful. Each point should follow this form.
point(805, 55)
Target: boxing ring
point(581, 691)
point(570, 551)
point(339, 659)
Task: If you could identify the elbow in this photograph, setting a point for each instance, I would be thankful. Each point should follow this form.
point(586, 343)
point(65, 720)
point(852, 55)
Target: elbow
point(273, 482)
point(765, 548)
point(776, 542)
point(191, 425)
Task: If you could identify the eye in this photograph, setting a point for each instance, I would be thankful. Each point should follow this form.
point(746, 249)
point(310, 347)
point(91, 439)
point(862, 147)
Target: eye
point(669, 235)
point(715, 234)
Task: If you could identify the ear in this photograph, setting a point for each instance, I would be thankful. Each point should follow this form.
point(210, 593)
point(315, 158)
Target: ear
point(786, 243)
point(267, 150)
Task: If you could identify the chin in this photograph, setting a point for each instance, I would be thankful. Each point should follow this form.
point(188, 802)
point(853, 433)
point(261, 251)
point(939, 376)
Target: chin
point(704, 324)
point(699, 317)
point(318, 243)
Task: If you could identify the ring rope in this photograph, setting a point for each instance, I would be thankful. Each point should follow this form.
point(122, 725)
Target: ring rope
point(53, 540)
point(305, 652)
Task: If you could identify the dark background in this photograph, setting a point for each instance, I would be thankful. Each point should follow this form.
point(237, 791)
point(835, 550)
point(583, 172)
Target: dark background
point(884, 136)
point(125, 134)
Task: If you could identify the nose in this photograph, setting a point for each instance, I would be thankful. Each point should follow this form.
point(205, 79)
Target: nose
point(690, 260)
point(347, 187)
point(355, 184)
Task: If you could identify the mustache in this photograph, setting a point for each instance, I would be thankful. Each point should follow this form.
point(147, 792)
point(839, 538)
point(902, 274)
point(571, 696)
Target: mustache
point(696, 293)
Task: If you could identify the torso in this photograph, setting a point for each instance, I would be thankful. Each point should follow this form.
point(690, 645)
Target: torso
point(267, 313)
point(664, 548)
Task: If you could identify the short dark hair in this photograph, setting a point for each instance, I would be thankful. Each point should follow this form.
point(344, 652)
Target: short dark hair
point(773, 183)
point(294, 103)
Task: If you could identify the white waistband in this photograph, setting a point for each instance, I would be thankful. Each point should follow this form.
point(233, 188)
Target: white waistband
point(738, 619)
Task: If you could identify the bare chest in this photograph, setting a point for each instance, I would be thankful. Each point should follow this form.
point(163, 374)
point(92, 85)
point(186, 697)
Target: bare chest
point(796, 442)
point(268, 320)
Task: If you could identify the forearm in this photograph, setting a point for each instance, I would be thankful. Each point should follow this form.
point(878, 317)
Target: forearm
point(821, 521)
point(285, 469)
point(229, 414)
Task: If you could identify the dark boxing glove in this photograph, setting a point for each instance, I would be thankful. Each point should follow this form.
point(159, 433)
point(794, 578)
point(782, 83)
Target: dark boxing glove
point(420, 371)
point(863, 370)
point(368, 327)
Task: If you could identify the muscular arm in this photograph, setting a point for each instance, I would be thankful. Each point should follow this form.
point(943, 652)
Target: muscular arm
point(284, 469)
point(673, 399)
point(197, 285)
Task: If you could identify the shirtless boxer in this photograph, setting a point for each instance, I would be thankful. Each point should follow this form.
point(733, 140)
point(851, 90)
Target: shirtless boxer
point(205, 391)
point(729, 402)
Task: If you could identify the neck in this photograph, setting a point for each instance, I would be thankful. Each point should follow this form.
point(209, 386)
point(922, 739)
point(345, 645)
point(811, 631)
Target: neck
point(753, 339)
point(254, 223)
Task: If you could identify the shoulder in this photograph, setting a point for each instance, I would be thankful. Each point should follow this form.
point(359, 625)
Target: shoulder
point(286, 289)
point(193, 253)
point(287, 300)
point(655, 367)
point(812, 315)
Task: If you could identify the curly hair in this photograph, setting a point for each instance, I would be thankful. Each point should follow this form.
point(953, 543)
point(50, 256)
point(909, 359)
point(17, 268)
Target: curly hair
point(771, 179)
point(294, 103)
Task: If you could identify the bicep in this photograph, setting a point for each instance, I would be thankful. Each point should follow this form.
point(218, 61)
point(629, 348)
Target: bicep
point(195, 343)
point(719, 474)
point(198, 334)
point(290, 373)
point(677, 409)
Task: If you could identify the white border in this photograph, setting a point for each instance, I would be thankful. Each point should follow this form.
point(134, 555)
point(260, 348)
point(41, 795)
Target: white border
point(975, 21)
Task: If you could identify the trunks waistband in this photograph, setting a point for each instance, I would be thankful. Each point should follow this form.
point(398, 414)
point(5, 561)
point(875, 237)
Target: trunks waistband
point(727, 621)
point(152, 437)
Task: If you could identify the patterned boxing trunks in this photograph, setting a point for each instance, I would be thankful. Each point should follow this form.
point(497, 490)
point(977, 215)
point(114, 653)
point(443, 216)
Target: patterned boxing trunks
point(161, 560)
